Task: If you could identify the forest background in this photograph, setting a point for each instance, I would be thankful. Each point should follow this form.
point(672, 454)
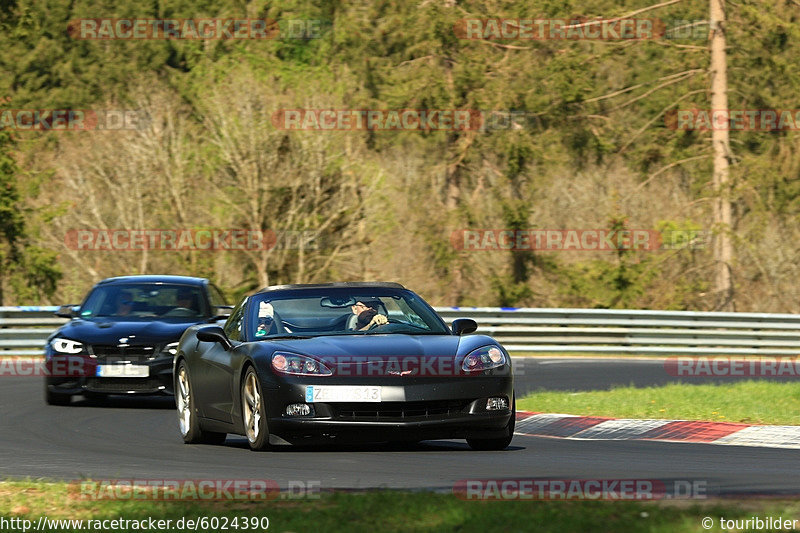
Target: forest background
point(593, 149)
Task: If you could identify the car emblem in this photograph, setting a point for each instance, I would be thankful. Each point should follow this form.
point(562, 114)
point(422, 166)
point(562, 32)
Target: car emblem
point(403, 373)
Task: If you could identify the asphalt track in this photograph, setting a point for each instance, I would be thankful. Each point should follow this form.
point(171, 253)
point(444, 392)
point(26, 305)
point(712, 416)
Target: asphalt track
point(137, 438)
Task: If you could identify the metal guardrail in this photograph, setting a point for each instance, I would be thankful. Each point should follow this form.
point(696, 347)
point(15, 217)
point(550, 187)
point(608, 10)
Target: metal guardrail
point(635, 332)
point(24, 329)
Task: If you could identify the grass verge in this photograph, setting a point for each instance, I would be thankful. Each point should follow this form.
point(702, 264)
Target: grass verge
point(396, 511)
point(751, 402)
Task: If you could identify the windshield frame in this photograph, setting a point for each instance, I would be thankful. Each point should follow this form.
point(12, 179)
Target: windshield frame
point(415, 302)
point(205, 308)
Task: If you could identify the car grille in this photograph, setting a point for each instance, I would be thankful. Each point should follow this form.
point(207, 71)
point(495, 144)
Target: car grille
point(123, 385)
point(398, 410)
point(128, 353)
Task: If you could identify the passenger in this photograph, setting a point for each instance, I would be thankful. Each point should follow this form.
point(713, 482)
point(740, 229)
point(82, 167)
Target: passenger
point(266, 320)
point(124, 303)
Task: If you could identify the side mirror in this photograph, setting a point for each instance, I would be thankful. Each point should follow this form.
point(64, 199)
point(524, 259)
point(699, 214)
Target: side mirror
point(214, 334)
point(66, 311)
point(221, 312)
point(462, 326)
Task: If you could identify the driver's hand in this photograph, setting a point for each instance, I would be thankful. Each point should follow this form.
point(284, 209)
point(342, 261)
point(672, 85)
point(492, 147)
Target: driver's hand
point(378, 320)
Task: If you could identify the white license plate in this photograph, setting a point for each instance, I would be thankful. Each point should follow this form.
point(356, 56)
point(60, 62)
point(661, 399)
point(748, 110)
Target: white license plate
point(342, 393)
point(123, 371)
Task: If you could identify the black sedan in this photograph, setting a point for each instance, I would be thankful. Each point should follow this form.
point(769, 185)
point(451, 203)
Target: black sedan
point(122, 339)
point(338, 362)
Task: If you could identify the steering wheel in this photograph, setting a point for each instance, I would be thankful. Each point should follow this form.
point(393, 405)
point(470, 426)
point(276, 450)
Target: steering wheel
point(376, 326)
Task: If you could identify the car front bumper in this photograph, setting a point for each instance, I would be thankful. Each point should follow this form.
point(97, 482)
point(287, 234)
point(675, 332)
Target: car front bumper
point(415, 409)
point(81, 377)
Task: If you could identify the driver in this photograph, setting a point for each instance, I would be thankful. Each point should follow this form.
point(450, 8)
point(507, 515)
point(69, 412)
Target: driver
point(368, 316)
point(185, 299)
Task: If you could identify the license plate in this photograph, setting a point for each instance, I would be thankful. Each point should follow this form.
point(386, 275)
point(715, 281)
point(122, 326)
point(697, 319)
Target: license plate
point(123, 371)
point(342, 393)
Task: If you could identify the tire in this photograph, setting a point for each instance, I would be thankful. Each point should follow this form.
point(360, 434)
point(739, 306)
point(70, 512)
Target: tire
point(55, 398)
point(500, 443)
point(254, 413)
point(188, 423)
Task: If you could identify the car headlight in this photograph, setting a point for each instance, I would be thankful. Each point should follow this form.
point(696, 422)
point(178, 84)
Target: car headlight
point(299, 365)
point(66, 346)
point(484, 358)
point(171, 348)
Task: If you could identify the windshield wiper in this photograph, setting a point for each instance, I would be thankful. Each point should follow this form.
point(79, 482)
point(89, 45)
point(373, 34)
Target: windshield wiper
point(406, 332)
point(284, 336)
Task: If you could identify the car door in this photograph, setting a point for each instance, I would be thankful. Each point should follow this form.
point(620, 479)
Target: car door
point(217, 369)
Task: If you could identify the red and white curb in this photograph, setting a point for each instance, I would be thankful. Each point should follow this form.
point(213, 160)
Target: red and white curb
point(601, 428)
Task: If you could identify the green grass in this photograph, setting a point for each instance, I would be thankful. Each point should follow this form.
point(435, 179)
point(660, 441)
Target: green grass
point(399, 511)
point(752, 402)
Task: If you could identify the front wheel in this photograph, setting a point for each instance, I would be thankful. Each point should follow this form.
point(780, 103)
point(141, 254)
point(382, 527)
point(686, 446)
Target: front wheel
point(500, 443)
point(187, 416)
point(254, 412)
point(55, 398)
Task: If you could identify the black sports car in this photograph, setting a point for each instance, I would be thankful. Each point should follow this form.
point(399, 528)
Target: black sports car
point(339, 362)
point(123, 337)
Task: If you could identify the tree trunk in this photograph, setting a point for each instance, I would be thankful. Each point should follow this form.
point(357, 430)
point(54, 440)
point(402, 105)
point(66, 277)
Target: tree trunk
point(452, 201)
point(723, 248)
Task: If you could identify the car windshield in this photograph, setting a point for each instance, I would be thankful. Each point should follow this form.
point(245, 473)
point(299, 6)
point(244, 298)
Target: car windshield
point(357, 312)
point(145, 300)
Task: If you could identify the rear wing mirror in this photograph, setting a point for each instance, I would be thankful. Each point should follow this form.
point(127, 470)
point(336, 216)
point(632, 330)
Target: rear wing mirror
point(464, 326)
point(222, 311)
point(67, 311)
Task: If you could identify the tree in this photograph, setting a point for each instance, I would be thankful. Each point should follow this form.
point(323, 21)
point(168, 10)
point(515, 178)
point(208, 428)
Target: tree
point(11, 223)
point(723, 247)
point(26, 270)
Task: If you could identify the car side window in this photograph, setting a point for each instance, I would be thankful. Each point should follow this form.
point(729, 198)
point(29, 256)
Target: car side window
point(235, 323)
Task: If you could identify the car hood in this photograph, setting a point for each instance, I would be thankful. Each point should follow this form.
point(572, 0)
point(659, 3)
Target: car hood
point(387, 354)
point(110, 331)
point(375, 347)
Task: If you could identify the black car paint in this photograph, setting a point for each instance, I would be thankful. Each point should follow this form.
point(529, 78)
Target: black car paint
point(108, 331)
point(217, 373)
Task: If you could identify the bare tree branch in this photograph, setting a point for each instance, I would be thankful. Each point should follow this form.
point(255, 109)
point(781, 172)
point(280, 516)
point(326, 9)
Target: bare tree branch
point(683, 76)
point(628, 15)
point(662, 170)
point(660, 113)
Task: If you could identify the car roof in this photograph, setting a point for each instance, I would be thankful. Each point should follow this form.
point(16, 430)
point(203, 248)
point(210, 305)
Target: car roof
point(185, 280)
point(337, 285)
